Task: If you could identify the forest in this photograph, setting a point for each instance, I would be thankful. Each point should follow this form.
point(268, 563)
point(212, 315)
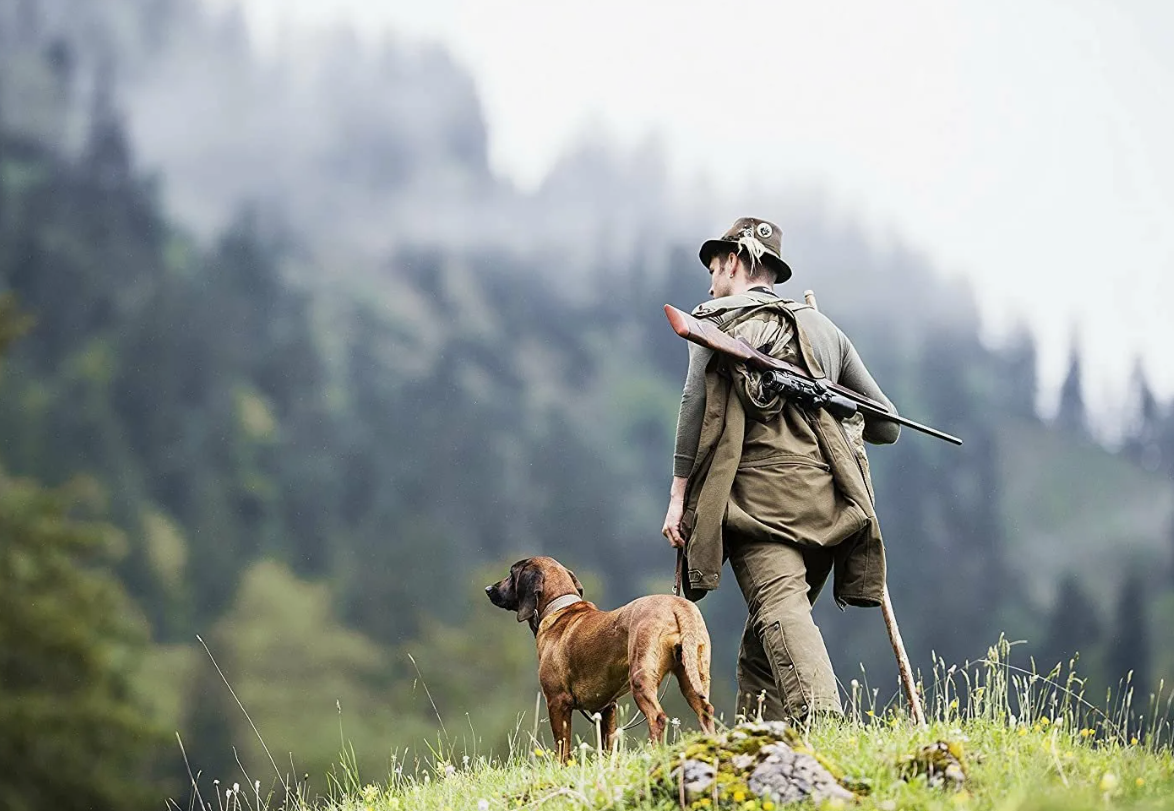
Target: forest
point(281, 394)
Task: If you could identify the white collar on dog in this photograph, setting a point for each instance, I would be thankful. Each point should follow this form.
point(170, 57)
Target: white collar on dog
point(560, 603)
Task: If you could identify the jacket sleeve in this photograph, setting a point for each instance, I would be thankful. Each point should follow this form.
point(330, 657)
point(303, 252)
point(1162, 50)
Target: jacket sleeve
point(854, 375)
point(692, 412)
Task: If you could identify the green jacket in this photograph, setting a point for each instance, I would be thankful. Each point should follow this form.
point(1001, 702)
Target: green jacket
point(772, 471)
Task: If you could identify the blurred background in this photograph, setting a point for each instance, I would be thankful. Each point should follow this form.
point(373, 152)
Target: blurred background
point(318, 316)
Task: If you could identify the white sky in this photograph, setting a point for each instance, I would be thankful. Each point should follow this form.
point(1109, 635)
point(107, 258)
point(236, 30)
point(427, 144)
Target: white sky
point(1024, 145)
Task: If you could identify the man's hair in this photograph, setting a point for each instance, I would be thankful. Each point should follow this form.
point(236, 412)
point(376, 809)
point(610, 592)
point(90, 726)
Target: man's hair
point(756, 269)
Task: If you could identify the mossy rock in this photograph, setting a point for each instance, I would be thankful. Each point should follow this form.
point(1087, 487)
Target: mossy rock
point(941, 763)
point(765, 762)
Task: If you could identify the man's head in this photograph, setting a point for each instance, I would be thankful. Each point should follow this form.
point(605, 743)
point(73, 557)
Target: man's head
point(747, 255)
point(733, 272)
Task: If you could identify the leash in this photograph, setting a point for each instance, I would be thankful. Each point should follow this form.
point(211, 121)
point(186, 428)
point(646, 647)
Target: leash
point(679, 576)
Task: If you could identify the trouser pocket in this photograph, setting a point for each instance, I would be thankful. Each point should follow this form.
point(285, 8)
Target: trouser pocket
point(787, 673)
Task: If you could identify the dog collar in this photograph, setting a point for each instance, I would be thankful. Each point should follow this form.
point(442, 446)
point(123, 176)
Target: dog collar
point(560, 603)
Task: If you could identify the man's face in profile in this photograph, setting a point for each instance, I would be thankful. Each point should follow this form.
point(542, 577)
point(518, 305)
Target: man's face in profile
point(722, 268)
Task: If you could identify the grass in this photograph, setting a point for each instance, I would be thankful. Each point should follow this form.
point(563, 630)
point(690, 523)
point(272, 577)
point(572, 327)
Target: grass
point(1029, 742)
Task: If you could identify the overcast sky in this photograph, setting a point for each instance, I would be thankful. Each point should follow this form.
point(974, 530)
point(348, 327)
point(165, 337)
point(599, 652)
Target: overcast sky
point(1024, 145)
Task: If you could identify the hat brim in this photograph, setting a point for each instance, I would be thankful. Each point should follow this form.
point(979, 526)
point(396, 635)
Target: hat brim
point(710, 247)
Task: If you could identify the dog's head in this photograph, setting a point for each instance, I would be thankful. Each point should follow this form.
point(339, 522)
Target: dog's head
point(531, 585)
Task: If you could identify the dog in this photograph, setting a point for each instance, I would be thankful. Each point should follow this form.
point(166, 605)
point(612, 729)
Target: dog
point(588, 658)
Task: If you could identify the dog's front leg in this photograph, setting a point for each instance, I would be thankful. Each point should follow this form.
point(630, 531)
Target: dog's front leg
point(559, 709)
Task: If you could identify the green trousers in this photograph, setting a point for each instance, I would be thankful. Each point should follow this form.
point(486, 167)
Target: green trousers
point(783, 666)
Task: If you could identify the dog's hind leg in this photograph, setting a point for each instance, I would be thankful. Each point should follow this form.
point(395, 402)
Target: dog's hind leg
point(691, 667)
point(648, 664)
point(693, 679)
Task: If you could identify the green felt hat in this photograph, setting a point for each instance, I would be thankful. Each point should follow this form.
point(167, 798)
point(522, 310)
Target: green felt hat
point(762, 239)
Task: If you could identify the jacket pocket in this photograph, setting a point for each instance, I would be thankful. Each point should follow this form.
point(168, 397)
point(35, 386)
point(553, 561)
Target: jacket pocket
point(792, 498)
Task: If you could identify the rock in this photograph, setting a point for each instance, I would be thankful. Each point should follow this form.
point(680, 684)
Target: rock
point(788, 776)
point(742, 762)
point(760, 760)
point(699, 776)
point(940, 762)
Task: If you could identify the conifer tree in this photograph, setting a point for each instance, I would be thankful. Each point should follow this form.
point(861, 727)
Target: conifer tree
point(1143, 439)
point(72, 735)
point(1071, 415)
point(1073, 626)
point(1130, 649)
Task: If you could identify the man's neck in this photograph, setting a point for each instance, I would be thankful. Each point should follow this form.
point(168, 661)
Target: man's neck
point(749, 286)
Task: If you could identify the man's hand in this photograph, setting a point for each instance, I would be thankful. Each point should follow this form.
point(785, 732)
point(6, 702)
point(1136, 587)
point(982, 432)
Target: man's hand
point(672, 518)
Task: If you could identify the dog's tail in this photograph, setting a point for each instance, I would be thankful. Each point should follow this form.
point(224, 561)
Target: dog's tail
point(695, 653)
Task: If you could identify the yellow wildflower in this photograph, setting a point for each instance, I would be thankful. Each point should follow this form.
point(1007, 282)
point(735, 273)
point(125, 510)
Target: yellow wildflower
point(767, 805)
point(739, 796)
point(1133, 740)
point(540, 752)
point(1140, 782)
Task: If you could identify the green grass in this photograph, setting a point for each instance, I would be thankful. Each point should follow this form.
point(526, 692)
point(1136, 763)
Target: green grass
point(1028, 741)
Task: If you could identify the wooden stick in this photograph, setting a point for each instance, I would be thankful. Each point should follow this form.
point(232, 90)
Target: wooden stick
point(903, 666)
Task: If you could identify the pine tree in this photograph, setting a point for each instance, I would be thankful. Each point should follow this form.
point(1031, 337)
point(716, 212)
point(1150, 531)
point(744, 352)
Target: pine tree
point(1019, 380)
point(1130, 649)
point(1170, 535)
point(1071, 415)
point(1143, 440)
point(72, 734)
point(107, 155)
point(1073, 626)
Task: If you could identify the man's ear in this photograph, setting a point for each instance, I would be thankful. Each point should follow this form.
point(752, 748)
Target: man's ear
point(529, 590)
point(730, 265)
point(575, 580)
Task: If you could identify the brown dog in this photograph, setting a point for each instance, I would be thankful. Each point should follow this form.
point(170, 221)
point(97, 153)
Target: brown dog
point(587, 658)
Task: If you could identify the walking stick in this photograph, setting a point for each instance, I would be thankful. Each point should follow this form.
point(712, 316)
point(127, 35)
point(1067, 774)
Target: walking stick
point(903, 667)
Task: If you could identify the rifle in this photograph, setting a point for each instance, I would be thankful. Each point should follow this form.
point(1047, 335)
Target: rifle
point(787, 378)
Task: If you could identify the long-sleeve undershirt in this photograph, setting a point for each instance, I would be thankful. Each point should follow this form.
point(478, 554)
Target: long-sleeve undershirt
point(841, 364)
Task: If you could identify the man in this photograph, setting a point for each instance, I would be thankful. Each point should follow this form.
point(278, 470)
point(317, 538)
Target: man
point(782, 492)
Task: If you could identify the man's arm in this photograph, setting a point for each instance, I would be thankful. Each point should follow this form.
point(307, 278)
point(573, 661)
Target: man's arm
point(689, 421)
point(854, 375)
point(692, 412)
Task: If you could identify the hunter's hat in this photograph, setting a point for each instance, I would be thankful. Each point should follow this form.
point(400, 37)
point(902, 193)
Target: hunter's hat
point(761, 239)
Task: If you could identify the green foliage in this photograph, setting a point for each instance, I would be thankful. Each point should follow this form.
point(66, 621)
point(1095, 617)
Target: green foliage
point(73, 733)
point(309, 684)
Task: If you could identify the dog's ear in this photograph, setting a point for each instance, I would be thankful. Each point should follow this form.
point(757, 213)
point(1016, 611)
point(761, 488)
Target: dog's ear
point(575, 580)
point(528, 588)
